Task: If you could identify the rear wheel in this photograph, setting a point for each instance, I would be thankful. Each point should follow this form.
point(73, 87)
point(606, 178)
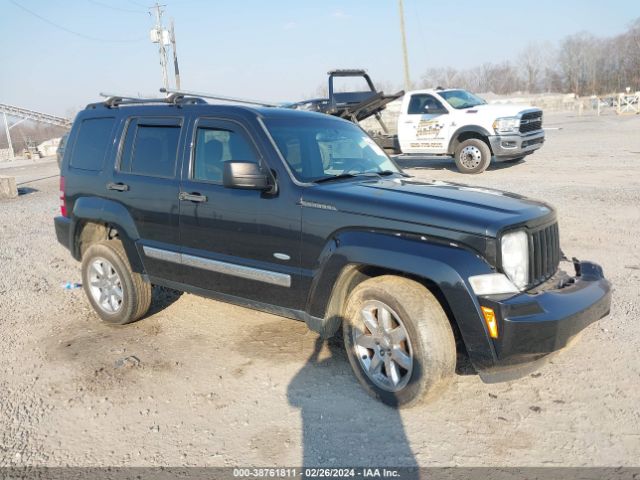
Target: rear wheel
point(116, 293)
point(398, 340)
point(472, 156)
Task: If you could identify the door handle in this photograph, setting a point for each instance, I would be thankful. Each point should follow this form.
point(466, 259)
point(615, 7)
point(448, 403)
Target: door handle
point(120, 187)
point(192, 197)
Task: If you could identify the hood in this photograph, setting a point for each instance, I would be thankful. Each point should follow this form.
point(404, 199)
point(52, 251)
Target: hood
point(463, 208)
point(499, 110)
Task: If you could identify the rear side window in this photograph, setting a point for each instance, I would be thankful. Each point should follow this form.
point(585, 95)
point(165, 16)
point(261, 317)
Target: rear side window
point(151, 148)
point(94, 138)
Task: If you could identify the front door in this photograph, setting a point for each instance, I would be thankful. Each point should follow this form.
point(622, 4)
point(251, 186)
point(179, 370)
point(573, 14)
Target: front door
point(238, 242)
point(423, 125)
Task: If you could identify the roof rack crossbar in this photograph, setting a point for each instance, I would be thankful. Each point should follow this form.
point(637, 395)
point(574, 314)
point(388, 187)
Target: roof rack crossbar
point(113, 100)
point(213, 96)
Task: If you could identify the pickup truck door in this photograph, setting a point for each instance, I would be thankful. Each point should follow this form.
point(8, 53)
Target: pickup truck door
point(244, 243)
point(423, 127)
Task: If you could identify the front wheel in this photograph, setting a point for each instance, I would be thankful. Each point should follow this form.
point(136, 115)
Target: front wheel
point(398, 340)
point(472, 156)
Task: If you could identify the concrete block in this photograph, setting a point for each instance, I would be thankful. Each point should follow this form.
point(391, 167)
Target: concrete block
point(8, 187)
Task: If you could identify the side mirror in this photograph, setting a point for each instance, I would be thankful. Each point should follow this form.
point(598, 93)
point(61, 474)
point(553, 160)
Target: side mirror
point(247, 175)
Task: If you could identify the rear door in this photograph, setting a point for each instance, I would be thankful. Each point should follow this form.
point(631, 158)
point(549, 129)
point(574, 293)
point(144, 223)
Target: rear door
point(423, 125)
point(145, 180)
point(244, 243)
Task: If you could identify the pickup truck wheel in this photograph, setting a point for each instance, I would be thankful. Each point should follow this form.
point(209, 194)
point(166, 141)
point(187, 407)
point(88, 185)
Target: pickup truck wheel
point(398, 340)
point(117, 294)
point(472, 156)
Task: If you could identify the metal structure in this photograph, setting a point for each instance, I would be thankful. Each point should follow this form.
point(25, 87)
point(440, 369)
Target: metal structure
point(26, 114)
point(161, 36)
point(355, 105)
point(628, 103)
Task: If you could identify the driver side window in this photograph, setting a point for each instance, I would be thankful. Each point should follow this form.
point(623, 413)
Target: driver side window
point(422, 103)
point(214, 146)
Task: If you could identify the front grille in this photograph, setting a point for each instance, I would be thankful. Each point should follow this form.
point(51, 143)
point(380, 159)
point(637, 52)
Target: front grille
point(531, 121)
point(544, 253)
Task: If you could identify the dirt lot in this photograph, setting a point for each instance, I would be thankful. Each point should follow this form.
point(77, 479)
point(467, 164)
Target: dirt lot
point(220, 385)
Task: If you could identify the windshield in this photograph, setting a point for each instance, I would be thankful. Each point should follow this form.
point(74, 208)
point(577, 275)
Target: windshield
point(461, 99)
point(317, 148)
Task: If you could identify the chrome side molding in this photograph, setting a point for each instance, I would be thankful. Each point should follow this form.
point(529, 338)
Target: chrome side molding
point(242, 271)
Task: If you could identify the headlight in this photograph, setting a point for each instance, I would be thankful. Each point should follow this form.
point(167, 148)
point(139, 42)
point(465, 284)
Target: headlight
point(492, 284)
point(506, 125)
point(515, 257)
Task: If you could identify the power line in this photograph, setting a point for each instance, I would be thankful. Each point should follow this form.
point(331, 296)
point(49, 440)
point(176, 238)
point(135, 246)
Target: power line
point(111, 7)
point(78, 34)
point(137, 3)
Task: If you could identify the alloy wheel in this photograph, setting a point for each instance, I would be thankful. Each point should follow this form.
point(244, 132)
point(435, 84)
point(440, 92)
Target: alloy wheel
point(383, 347)
point(105, 285)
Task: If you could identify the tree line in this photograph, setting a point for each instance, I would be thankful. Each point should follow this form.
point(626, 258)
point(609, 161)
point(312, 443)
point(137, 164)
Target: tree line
point(581, 63)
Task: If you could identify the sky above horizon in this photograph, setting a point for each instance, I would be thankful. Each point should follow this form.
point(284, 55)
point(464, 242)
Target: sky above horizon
point(57, 56)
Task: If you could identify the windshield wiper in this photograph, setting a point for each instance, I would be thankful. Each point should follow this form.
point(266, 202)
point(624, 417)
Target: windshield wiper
point(381, 173)
point(333, 177)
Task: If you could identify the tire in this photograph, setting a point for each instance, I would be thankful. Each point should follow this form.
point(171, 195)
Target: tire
point(429, 346)
point(127, 296)
point(472, 156)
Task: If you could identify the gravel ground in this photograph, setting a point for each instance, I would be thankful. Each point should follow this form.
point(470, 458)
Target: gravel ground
point(200, 382)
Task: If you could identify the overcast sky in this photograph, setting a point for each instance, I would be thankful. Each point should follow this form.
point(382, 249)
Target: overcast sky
point(60, 54)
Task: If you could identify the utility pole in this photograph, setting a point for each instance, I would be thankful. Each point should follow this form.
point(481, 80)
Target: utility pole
point(172, 35)
point(407, 79)
point(161, 36)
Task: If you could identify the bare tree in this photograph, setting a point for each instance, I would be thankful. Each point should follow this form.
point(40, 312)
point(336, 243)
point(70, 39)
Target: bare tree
point(581, 63)
point(531, 63)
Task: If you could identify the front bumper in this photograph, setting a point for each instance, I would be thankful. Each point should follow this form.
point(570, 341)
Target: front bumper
point(534, 324)
point(508, 147)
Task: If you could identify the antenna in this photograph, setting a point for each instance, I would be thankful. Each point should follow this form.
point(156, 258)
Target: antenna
point(217, 97)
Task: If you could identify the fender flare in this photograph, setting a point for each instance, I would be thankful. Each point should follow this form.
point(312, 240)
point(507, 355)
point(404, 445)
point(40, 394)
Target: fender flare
point(466, 129)
point(447, 267)
point(101, 210)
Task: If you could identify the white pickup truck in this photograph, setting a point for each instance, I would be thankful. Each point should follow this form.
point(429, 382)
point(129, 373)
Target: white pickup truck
point(448, 122)
point(456, 123)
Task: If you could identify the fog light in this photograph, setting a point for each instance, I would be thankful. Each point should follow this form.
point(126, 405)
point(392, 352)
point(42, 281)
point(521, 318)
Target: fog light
point(508, 144)
point(490, 320)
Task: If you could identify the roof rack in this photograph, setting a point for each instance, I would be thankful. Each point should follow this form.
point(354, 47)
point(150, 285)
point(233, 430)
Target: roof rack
point(173, 98)
point(213, 96)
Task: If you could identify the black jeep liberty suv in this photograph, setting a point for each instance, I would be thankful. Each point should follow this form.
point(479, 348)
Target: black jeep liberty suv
point(301, 214)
